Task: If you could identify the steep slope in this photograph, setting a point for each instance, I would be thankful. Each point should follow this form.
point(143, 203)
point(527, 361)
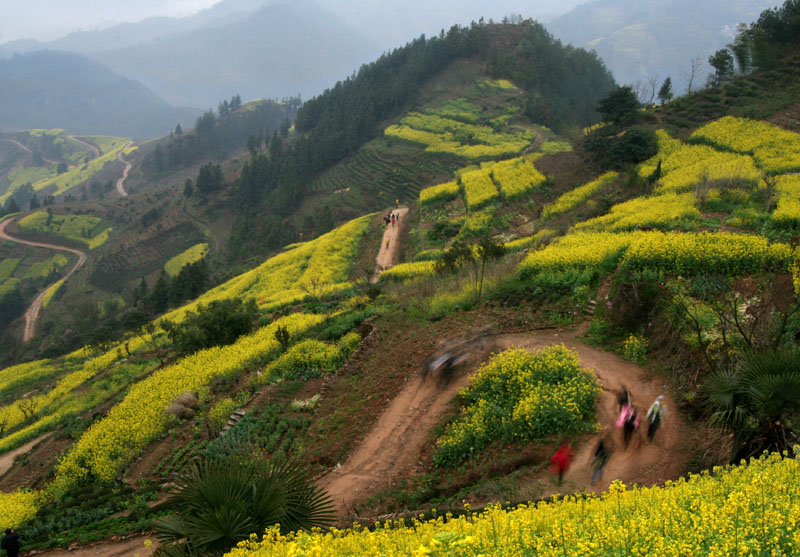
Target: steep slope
point(63, 90)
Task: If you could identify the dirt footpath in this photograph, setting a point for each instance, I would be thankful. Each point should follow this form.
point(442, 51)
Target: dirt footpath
point(392, 449)
point(388, 251)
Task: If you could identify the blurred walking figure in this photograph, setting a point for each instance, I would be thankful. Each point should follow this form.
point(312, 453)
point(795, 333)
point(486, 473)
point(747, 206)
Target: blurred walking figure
point(654, 416)
point(561, 461)
point(10, 543)
point(628, 420)
point(393, 219)
point(624, 397)
point(599, 461)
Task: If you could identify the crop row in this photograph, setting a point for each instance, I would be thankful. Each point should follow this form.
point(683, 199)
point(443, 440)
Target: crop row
point(439, 193)
point(668, 211)
point(141, 417)
point(479, 189)
point(191, 255)
point(751, 509)
point(775, 149)
point(517, 176)
point(671, 252)
point(87, 230)
point(575, 197)
point(787, 211)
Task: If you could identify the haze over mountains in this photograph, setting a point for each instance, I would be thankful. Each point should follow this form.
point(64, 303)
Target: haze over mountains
point(281, 48)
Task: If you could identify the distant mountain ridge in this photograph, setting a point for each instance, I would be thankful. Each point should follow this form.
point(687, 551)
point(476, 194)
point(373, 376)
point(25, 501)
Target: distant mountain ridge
point(640, 39)
point(49, 89)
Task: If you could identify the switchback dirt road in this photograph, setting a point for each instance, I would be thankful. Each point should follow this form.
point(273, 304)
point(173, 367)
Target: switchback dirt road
point(392, 449)
point(33, 312)
point(124, 177)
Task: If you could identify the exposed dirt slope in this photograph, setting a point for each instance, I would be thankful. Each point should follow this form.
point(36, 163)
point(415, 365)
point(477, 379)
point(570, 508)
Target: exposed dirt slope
point(388, 251)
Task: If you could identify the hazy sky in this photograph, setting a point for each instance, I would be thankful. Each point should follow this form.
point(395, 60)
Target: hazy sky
point(51, 19)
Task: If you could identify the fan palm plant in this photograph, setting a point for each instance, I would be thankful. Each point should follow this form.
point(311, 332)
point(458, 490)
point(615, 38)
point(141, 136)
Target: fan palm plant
point(220, 502)
point(753, 399)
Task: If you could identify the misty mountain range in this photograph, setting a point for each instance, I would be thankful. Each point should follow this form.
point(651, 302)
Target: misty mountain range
point(278, 48)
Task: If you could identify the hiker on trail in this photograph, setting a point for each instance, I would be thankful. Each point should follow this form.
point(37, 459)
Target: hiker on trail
point(397, 203)
point(601, 455)
point(654, 416)
point(561, 461)
point(623, 398)
point(10, 543)
point(393, 219)
point(628, 420)
point(398, 216)
point(387, 220)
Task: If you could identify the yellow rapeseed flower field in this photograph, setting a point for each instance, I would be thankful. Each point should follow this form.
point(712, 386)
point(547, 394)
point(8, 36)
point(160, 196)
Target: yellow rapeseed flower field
point(748, 510)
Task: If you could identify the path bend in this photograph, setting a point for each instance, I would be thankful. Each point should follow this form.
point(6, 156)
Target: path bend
point(33, 313)
point(128, 165)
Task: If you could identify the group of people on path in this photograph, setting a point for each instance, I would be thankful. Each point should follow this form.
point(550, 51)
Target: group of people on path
point(391, 218)
point(628, 421)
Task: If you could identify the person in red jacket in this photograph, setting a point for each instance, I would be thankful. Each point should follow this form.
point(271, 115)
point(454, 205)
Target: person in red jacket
point(561, 461)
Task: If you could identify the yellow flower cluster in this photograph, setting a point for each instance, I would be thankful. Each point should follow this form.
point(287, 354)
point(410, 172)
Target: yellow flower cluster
point(51, 292)
point(579, 251)
point(544, 235)
point(502, 145)
point(516, 177)
point(684, 166)
point(458, 109)
point(16, 508)
point(668, 211)
point(477, 223)
point(775, 149)
point(309, 358)
point(47, 267)
point(405, 271)
point(577, 196)
point(133, 423)
point(85, 229)
point(520, 395)
point(191, 255)
point(721, 252)
point(439, 193)
point(478, 188)
point(748, 510)
point(787, 212)
point(281, 279)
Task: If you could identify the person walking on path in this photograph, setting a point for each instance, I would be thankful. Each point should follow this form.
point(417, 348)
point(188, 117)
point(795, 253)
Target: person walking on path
point(624, 397)
point(628, 420)
point(10, 543)
point(654, 416)
point(599, 461)
point(393, 220)
point(561, 461)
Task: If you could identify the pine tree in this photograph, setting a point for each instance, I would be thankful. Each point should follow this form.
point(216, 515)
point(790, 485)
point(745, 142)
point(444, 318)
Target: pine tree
point(665, 93)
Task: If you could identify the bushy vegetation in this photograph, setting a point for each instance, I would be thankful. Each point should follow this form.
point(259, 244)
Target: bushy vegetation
point(519, 395)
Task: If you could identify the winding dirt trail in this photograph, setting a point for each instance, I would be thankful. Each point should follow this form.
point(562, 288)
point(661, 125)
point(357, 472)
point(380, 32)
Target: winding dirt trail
point(28, 149)
point(388, 250)
point(393, 447)
point(34, 311)
point(128, 165)
point(7, 459)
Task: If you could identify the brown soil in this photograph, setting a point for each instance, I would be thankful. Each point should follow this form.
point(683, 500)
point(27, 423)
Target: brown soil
point(393, 448)
point(122, 548)
point(7, 459)
point(387, 255)
point(43, 453)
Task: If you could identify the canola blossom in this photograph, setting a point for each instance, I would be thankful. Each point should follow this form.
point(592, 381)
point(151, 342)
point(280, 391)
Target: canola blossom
point(132, 424)
point(787, 211)
point(720, 252)
point(439, 194)
point(519, 244)
point(479, 189)
point(749, 510)
point(517, 177)
point(88, 230)
point(668, 211)
point(578, 196)
point(406, 271)
point(280, 279)
point(191, 255)
point(520, 395)
point(16, 508)
point(775, 149)
point(579, 251)
point(309, 358)
point(51, 292)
